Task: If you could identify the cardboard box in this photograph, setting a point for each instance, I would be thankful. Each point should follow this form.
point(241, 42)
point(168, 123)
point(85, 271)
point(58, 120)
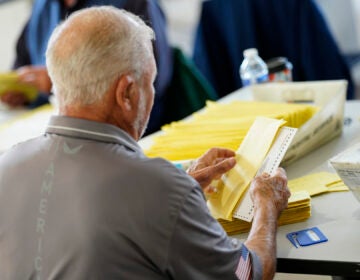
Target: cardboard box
point(330, 96)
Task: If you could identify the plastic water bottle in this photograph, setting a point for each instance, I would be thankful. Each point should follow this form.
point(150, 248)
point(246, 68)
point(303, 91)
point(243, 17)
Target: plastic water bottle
point(253, 69)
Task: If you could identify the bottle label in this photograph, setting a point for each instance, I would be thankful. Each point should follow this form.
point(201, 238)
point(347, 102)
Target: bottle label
point(281, 76)
point(262, 79)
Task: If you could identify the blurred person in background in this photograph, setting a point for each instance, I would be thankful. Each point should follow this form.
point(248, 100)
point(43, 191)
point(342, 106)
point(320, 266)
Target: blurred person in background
point(47, 14)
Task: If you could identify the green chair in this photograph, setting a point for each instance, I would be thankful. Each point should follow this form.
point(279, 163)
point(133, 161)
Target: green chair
point(188, 90)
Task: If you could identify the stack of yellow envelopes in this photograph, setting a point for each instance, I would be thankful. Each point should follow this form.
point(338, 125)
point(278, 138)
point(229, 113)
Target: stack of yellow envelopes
point(299, 209)
point(299, 205)
point(222, 125)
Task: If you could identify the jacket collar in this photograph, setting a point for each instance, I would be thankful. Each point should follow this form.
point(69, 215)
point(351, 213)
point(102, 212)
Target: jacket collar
point(81, 128)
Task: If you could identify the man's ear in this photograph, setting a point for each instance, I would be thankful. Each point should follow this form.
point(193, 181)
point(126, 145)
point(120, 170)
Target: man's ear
point(124, 94)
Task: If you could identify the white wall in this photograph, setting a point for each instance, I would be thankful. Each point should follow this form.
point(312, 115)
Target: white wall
point(182, 17)
point(13, 15)
point(343, 19)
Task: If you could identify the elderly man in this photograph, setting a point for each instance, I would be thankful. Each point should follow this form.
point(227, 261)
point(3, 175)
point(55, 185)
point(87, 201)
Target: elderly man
point(83, 202)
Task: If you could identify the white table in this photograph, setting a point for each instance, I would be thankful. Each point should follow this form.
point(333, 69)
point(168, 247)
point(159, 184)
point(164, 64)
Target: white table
point(8, 114)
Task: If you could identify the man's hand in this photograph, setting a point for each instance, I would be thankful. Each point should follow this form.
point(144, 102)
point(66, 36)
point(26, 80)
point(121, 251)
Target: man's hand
point(273, 190)
point(270, 195)
point(211, 166)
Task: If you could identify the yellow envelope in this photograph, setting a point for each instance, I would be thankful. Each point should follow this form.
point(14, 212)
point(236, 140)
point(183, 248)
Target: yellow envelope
point(249, 157)
point(317, 183)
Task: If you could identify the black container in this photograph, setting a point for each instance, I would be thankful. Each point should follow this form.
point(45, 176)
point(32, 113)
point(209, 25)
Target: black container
point(279, 69)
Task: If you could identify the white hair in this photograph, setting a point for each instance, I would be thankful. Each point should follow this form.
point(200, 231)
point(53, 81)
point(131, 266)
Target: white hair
point(93, 48)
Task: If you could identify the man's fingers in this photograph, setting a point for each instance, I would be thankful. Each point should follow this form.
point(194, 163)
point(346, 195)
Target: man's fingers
point(217, 153)
point(208, 167)
point(224, 166)
point(206, 175)
point(280, 172)
point(210, 190)
point(224, 153)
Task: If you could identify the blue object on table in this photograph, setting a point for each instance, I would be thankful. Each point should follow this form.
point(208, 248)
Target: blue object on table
point(306, 237)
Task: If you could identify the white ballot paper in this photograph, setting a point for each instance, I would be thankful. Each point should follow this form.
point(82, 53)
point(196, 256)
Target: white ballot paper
point(347, 166)
point(245, 209)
